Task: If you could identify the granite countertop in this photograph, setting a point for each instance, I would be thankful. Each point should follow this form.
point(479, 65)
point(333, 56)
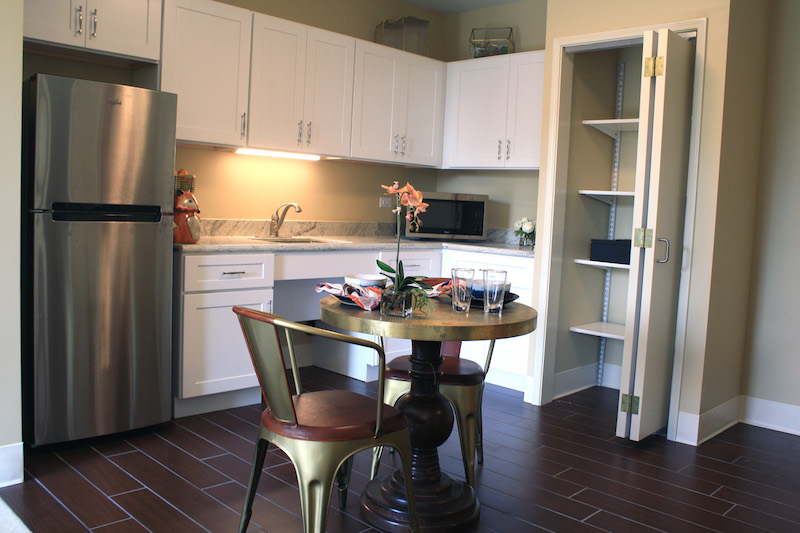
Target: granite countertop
point(239, 244)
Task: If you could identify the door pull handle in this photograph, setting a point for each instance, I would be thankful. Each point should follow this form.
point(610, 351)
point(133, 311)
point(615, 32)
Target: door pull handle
point(666, 256)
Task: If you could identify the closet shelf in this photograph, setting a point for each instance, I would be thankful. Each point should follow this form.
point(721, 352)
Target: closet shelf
point(607, 197)
point(608, 330)
point(602, 264)
point(615, 126)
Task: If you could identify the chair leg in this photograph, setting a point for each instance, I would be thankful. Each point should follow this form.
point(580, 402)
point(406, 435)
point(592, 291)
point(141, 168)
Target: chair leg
point(377, 451)
point(343, 480)
point(255, 475)
point(479, 424)
point(405, 456)
point(465, 401)
point(316, 480)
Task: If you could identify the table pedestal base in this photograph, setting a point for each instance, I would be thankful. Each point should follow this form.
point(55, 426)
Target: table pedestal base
point(445, 504)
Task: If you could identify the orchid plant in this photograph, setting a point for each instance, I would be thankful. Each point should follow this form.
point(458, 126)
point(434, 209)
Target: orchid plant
point(410, 198)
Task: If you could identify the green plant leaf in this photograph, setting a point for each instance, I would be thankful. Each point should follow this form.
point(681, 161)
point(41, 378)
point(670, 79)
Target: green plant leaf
point(383, 266)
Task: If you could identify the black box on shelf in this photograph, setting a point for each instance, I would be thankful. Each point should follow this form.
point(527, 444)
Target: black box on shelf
point(611, 251)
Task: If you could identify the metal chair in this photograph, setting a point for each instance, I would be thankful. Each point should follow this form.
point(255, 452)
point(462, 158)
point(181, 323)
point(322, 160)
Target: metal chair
point(319, 431)
point(461, 383)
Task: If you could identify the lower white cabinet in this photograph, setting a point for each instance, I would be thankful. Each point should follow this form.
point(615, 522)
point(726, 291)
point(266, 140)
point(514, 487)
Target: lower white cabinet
point(510, 358)
point(210, 353)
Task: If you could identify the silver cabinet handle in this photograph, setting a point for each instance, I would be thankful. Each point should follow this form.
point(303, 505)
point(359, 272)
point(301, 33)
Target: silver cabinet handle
point(403, 150)
point(508, 149)
point(396, 142)
point(244, 124)
point(79, 14)
point(499, 148)
point(234, 273)
point(94, 23)
point(300, 132)
point(308, 134)
point(666, 257)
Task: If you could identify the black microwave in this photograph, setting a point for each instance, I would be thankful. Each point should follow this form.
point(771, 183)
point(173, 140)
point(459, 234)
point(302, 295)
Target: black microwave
point(452, 216)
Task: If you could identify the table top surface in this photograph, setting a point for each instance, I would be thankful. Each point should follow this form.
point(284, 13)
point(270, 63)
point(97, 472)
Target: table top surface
point(443, 324)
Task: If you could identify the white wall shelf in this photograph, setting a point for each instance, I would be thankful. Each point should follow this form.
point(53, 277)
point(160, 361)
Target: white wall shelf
point(607, 197)
point(602, 264)
point(614, 127)
point(607, 330)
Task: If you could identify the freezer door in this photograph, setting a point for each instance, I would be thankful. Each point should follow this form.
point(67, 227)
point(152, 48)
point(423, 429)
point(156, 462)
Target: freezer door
point(102, 143)
point(101, 330)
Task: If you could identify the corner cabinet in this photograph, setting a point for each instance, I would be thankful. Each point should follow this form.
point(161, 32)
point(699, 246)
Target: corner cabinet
point(205, 60)
point(301, 88)
point(619, 172)
point(494, 112)
point(210, 354)
point(398, 106)
point(124, 27)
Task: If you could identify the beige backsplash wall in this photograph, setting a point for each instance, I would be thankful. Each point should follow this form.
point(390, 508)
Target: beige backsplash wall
point(229, 185)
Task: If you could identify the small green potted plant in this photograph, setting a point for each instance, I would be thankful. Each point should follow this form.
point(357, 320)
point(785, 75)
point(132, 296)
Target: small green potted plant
point(407, 292)
point(525, 229)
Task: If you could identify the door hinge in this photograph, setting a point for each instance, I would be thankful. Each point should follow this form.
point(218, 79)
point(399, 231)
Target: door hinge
point(653, 66)
point(642, 238)
point(630, 404)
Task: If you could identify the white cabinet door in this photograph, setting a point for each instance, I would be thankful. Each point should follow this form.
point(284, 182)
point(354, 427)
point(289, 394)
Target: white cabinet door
point(277, 84)
point(398, 106)
point(475, 118)
point(328, 103)
point(56, 21)
point(422, 94)
point(126, 27)
point(214, 356)
point(376, 102)
point(205, 60)
point(525, 102)
point(494, 111)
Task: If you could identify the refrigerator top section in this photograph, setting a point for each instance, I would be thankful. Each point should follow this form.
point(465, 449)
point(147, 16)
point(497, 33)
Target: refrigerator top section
point(102, 143)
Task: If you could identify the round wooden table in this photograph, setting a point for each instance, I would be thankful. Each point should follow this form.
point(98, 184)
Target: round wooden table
point(443, 504)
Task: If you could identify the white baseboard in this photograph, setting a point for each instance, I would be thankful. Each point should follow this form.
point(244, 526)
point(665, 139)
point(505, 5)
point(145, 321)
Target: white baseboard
point(11, 464)
point(583, 377)
point(215, 402)
point(506, 379)
point(695, 429)
point(771, 415)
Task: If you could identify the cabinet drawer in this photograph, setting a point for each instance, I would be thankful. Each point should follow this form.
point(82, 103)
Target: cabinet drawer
point(228, 271)
point(323, 265)
point(423, 263)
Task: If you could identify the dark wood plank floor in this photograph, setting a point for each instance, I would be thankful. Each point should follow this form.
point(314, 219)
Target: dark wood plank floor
point(553, 468)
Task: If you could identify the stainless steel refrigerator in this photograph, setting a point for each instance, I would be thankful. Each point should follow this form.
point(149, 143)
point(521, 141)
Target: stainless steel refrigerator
point(98, 164)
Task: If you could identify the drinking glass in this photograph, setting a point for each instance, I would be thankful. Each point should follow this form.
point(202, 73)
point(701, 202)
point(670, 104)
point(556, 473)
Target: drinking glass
point(494, 290)
point(462, 288)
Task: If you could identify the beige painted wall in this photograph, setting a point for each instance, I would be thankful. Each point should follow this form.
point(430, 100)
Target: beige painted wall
point(230, 185)
point(528, 19)
point(773, 366)
point(577, 17)
point(10, 113)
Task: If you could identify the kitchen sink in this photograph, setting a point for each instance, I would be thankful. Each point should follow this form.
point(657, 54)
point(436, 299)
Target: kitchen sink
point(298, 240)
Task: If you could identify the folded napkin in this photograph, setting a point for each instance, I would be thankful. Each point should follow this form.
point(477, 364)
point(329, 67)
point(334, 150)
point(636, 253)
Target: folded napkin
point(365, 297)
point(439, 288)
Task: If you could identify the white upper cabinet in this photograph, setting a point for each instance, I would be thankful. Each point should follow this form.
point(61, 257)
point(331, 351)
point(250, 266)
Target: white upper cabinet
point(125, 27)
point(205, 60)
point(398, 106)
point(494, 111)
point(301, 88)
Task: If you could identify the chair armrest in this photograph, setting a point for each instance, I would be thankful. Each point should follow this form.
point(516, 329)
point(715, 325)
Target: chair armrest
point(349, 339)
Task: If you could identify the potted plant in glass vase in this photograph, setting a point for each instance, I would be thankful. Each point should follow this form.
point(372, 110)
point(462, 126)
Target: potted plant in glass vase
point(407, 292)
point(525, 229)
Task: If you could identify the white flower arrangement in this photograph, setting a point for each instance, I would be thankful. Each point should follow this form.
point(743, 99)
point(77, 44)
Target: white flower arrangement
point(526, 229)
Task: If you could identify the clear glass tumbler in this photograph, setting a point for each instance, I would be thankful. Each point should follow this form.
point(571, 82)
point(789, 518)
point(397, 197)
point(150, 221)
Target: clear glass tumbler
point(494, 290)
point(462, 288)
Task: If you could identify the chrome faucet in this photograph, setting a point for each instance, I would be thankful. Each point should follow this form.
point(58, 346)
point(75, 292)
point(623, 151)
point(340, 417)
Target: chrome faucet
point(276, 221)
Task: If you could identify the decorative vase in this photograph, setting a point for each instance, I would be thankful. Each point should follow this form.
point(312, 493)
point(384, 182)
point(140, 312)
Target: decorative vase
point(525, 241)
point(397, 303)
